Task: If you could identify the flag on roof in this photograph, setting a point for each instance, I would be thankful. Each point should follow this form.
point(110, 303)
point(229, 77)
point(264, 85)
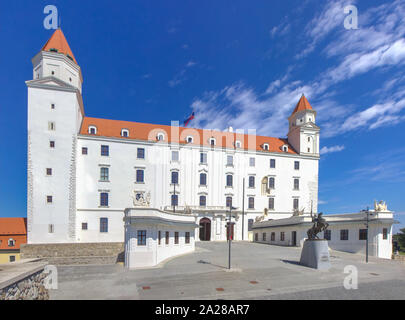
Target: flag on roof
point(187, 121)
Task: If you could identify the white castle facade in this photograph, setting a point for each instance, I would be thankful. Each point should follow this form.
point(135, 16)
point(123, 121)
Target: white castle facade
point(84, 172)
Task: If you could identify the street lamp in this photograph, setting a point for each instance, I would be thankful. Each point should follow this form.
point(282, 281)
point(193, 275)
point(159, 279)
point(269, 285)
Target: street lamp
point(230, 224)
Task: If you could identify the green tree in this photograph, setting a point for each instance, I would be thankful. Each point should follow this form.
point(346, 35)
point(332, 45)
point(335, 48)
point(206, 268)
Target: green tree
point(401, 238)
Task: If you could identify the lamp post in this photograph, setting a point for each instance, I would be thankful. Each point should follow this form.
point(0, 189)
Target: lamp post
point(229, 235)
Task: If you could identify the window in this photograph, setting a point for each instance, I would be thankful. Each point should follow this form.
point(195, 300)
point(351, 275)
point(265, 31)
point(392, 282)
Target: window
point(271, 203)
point(229, 180)
point(175, 200)
point(176, 238)
point(272, 183)
point(264, 236)
point(84, 226)
point(11, 242)
point(11, 259)
point(103, 199)
point(49, 199)
point(103, 225)
point(251, 203)
point(238, 144)
point(92, 130)
point(50, 228)
point(175, 177)
point(296, 184)
point(175, 156)
point(52, 106)
point(385, 233)
point(273, 236)
point(251, 182)
point(212, 142)
point(105, 151)
point(296, 204)
point(140, 153)
point(189, 139)
point(141, 237)
point(344, 234)
point(250, 224)
point(272, 163)
point(125, 133)
point(363, 234)
point(282, 236)
point(84, 150)
point(167, 237)
point(256, 237)
point(228, 202)
point(229, 160)
point(203, 179)
point(309, 139)
point(296, 165)
point(187, 238)
point(252, 162)
point(203, 201)
point(265, 147)
point(160, 137)
point(309, 150)
point(51, 126)
point(327, 235)
point(159, 237)
point(52, 144)
point(48, 171)
point(104, 174)
point(140, 178)
point(285, 148)
point(203, 157)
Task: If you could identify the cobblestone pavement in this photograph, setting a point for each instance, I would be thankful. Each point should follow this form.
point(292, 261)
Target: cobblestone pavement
point(259, 271)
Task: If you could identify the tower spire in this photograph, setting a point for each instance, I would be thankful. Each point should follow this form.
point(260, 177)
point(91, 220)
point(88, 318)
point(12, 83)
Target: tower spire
point(58, 43)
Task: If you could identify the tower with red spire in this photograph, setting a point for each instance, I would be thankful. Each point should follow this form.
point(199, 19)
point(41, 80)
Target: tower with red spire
point(303, 133)
point(55, 113)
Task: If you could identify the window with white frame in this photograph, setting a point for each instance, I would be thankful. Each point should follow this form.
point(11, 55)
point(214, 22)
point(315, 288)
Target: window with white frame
point(229, 160)
point(125, 133)
point(212, 142)
point(203, 157)
point(92, 130)
point(175, 156)
point(238, 144)
point(160, 136)
point(266, 147)
point(189, 139)
point(252, 162)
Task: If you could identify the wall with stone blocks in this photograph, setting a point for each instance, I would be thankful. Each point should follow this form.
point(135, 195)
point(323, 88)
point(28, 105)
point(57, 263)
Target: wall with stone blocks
point(75, 253)
point(30, 287)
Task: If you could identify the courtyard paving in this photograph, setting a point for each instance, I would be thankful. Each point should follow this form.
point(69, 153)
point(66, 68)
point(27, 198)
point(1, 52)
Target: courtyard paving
point(259, 271)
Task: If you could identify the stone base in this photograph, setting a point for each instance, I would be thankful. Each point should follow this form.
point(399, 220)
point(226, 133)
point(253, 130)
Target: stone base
point(315, 254)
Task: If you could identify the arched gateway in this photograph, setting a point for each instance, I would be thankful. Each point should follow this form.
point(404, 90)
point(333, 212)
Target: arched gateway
point(205, 229)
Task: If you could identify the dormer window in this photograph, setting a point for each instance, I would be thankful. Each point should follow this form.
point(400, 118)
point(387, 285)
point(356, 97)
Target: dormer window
point(125, 133)
point(266, 147)
point(92, 130)
point(285, 148)
point(238, 144)
point(189, 139)
point(160, 137)
point(212, 142)
point(53, 50)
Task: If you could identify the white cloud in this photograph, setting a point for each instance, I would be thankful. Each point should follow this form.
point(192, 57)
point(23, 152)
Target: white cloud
point(326, 150)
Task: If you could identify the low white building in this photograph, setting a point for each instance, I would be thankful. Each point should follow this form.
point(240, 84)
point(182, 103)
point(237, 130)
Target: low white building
point(346, 232)
point(152, 236)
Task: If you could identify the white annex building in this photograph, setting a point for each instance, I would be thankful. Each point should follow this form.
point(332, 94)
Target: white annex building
point(84, 174)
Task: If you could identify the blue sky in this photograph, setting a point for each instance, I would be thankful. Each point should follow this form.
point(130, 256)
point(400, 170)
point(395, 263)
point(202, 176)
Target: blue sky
point(235, 63)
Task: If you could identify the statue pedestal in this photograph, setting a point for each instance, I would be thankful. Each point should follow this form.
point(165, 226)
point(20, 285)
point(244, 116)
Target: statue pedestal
point(315, 254)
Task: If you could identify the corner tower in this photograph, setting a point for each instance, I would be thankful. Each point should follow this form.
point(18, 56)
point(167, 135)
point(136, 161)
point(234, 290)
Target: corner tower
point(303, 133)
point(55, 113)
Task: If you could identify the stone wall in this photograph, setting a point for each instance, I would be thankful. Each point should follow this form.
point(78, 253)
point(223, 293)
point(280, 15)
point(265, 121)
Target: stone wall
point(75, 253)
point(23, 281)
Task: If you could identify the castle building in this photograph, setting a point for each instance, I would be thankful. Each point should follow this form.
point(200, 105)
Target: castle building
point(84, 172)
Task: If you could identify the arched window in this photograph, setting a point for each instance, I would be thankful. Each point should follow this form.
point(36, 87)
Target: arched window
point(189, 139)
point(266, 147)
point(212, 142)
point(238, 144)
point(11, 242)
point(203, 179)
point(125, 133)
point(160, 136)
point(203, 201)
point(285, 148)
point(92, 130)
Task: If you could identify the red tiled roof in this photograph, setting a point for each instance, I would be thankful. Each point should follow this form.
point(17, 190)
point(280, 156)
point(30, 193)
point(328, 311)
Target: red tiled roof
point(302, 104)
point(59, 42)
point(10, 226)
point(148, 132)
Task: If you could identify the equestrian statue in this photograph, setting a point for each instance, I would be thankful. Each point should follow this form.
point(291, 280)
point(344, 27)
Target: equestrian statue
point(320, 225)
